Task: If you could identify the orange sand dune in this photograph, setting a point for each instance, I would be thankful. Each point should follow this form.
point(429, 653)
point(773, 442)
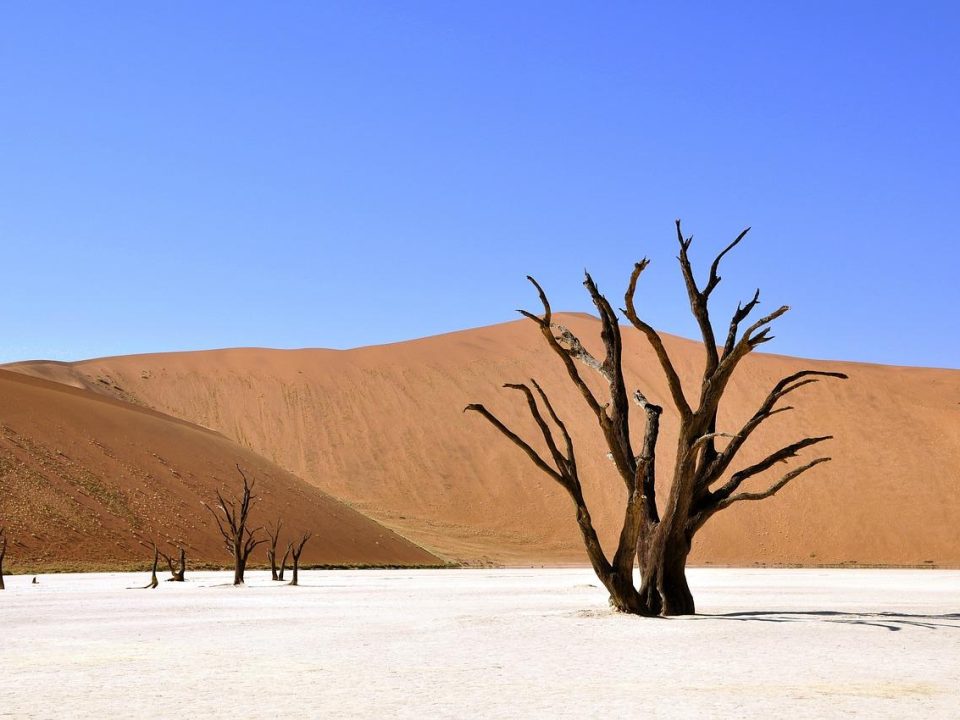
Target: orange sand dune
point(382, 428)
point(84, 478)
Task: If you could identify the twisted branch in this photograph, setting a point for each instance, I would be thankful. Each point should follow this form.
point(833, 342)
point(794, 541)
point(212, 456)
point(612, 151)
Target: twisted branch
point(773, 489)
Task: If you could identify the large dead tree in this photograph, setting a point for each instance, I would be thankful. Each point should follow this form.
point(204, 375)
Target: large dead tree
point(232, 516)
point(297, 550)
point(3, 553)
point(658, 534)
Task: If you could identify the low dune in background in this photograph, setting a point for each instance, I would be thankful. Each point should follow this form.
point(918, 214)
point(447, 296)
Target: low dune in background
point(84, 478)
point(382, 428)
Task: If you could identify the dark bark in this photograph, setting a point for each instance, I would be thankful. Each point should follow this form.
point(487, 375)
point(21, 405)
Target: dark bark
point(283, 561)
point(273, 532)
point(153, 572)
point(232, 516)
point(3, 554)
point(296, 551)
point(176, 571)
point(657, 537)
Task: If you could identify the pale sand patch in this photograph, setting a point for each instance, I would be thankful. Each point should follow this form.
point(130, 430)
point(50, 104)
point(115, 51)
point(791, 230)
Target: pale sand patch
point(481, 643)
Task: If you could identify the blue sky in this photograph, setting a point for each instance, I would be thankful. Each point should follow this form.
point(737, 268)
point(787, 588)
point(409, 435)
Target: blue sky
point(198, 175)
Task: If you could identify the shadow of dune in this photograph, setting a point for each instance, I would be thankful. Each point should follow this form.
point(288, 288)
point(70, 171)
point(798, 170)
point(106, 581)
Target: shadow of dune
point(893, 621)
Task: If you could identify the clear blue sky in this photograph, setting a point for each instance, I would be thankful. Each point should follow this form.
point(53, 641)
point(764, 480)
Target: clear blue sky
point(199, 175)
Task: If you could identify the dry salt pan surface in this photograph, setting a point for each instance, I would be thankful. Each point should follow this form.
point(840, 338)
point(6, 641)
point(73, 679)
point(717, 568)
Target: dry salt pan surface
point(481, 643)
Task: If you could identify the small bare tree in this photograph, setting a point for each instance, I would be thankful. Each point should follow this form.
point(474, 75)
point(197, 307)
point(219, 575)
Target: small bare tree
point(153, 573)
point(176, 571)
point(297, 550)
point(273, 532)
point(283, 562)
point(3, 554)
point(232, 516)
point(659, 536)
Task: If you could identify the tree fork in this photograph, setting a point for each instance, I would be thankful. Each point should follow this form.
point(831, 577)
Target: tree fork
point(176, 572)
point(232, 516)
point(296, 550)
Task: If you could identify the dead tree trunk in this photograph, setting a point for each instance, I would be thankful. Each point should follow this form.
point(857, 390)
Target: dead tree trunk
point(153, 572)
point(3, 554)
point(176, 571)
point(283, 562)
point(297, 550)
point(232, 516)
point(273, 532)
point(658, 535)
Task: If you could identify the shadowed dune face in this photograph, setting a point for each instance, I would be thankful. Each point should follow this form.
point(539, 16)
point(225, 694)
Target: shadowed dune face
point(84, 477)
point(383, 428)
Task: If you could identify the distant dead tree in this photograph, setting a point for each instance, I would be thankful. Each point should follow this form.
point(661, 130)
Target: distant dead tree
point(273, 532)
point(176, 571)
point(153, 573)
point(659, 536)
point(283, 562)
point(3, 554)
point(232, 516)
point(297, 550)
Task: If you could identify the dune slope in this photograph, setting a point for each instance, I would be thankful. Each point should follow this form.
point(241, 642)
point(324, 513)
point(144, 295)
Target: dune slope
point(383, 428)
point(84, 479)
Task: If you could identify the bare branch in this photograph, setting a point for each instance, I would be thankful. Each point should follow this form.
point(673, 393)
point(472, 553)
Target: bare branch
point(223, 532)
point(616, 425)
point(748, 341)
point(518, 441)
point(610, 333)
point(772, 459)
point(558, 457)
point(739, 316)
point(547, 331)
point(773, 489)
point(714, 279)
point(698, 303)
point(766, 410)
point(298, 549)
point(703, 439)
point(577, 351)
point(570, 457)
point(751, 340)
point(656, 342)
point(176, 572)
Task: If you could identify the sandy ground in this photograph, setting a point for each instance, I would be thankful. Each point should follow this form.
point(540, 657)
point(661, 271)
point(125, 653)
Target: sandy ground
point(481, 643)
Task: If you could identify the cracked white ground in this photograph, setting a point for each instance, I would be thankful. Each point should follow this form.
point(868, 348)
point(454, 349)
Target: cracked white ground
point(511, 643)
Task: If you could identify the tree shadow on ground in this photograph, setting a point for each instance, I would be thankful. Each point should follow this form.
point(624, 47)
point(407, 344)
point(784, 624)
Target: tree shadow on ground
point(893, 621)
